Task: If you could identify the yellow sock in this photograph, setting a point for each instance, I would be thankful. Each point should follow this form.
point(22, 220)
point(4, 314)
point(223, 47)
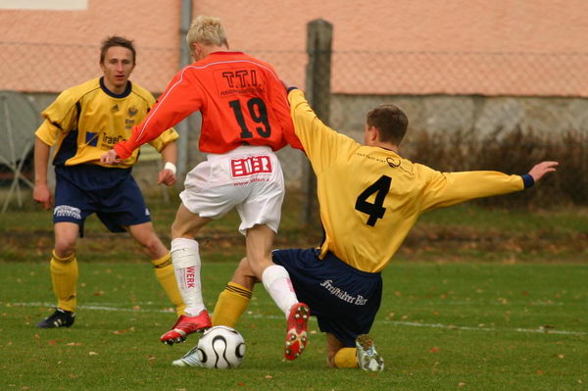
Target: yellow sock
point(231, 304)
point(346, 358)
point(164, 271)
point(64, 277)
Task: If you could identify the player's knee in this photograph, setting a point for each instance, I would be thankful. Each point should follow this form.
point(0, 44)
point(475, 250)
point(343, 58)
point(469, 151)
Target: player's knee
point(64, 247)
point(153, 245)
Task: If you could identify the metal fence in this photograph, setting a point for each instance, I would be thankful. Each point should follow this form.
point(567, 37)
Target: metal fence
point(459, 103)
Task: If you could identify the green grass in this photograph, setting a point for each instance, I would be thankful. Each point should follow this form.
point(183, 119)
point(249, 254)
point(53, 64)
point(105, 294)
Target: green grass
point(460, 233)
point(442, 326)
point(477, 299)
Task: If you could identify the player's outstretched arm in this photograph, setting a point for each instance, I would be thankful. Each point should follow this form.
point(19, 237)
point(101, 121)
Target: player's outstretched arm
point(540, 169)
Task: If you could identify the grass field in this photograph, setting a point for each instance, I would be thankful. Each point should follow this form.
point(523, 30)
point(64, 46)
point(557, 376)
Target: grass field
point(477, 299)
point(441, 327)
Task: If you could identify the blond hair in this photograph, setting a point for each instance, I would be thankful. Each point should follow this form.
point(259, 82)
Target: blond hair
point(207, 30)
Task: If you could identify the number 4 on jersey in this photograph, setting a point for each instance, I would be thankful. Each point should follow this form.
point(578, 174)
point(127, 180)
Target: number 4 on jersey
point(374, 210)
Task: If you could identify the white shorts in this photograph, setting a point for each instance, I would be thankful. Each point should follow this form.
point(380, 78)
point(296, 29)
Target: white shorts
point(248, 178)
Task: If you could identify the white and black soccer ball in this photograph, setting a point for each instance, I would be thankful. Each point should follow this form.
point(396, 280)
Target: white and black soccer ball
point(221, 347)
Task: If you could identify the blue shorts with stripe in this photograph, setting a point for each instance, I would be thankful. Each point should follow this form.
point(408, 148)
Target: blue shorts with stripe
point(343, 299)
point(111, 193)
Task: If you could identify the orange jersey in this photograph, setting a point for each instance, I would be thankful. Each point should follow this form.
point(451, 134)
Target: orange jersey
point(242, 101)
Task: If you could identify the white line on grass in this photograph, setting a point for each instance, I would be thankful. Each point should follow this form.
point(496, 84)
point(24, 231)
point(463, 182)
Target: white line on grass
point(541, 330)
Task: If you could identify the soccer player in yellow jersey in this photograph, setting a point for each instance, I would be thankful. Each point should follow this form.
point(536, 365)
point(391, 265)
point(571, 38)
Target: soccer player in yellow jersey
point(370, 197)
point(81, 124)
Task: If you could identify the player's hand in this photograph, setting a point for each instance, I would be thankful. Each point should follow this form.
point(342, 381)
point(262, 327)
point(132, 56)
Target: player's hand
point(166, 177)
point(42, 195)
point(540, 169)
point(109, 157)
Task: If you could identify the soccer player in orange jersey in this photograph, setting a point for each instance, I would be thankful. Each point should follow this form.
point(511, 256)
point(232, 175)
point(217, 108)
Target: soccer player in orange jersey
point(245, 118)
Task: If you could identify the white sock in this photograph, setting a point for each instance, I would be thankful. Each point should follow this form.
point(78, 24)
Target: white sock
point(277, 283)
point(187, 265)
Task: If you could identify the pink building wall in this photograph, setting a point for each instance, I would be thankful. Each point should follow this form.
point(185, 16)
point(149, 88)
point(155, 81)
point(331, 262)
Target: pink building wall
point(504, 47)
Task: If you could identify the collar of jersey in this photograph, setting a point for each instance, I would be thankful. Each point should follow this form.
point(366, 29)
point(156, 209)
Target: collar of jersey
point(225, 52)
point(124, 94)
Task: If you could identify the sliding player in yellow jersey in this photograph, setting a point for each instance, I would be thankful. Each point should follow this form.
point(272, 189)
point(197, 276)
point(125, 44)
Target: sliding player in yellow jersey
point(81, 124)
point(370, 197)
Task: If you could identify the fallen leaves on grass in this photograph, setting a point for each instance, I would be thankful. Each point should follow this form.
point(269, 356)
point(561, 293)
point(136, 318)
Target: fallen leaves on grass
point(124, 331)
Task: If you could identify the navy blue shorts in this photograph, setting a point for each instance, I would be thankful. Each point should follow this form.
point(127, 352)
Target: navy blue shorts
point(343, 299)
point(111, 193)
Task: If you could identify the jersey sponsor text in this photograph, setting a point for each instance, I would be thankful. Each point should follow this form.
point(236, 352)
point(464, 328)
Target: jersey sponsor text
point(251, 165)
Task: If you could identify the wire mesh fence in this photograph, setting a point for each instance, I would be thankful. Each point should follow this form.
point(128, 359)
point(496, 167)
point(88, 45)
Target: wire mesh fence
point(467, 110)
point(42, 67)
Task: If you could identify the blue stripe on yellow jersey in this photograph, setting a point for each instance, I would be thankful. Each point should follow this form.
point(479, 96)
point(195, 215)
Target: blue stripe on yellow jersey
point(371, 197)
point(88, 119)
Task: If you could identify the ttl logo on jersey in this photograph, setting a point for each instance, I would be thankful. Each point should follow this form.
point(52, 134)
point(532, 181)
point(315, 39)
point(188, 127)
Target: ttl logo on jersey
point(251, 165)
point(240, 79)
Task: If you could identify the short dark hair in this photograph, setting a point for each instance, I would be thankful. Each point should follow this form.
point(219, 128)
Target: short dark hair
point(390, 120)
point(116, 41)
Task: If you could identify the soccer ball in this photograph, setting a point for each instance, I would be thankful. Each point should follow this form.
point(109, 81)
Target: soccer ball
point(221, 347)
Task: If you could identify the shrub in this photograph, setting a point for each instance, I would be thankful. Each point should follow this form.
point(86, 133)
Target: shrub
point(510, 152)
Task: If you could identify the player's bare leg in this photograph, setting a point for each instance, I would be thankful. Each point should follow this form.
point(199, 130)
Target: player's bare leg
point(335, 357)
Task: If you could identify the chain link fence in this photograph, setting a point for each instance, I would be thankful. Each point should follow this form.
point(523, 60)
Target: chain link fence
point(502, 111)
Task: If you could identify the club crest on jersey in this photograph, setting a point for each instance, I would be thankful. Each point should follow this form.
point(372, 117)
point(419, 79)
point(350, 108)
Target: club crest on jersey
point(133, 111)
point(393, 162)
point(129, 123)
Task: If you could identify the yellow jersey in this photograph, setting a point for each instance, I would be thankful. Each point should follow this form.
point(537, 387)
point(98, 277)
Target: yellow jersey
point(87, 120)
point(370, 197)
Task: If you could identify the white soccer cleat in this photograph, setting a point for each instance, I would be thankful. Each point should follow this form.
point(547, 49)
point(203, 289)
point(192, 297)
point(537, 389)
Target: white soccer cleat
point(367, 356)
point(189, 359)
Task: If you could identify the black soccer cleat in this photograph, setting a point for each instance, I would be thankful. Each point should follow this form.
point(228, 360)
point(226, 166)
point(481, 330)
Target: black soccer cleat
point(60, 318)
